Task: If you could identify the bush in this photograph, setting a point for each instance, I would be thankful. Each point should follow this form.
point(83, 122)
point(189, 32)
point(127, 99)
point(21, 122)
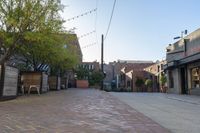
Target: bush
point(163, 79)
point(149, 83)
point(96, 78)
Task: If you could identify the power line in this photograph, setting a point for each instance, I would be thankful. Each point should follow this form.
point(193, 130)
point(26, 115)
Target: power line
point(83, 14)
point(113, 9)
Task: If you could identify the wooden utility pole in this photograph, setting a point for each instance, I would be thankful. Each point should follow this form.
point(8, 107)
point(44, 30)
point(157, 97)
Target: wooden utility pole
point(102, 51)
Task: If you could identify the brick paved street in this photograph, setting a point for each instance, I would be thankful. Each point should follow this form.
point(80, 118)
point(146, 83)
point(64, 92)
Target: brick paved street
point(73, 111)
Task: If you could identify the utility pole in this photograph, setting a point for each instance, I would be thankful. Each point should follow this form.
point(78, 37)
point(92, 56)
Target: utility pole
point(102, 51)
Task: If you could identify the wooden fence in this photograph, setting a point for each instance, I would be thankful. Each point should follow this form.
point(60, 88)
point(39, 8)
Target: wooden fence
point(8, 82)
point(34, 78)
point(54, 83)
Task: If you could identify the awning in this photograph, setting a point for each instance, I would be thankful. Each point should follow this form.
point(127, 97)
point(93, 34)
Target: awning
point(190, 59)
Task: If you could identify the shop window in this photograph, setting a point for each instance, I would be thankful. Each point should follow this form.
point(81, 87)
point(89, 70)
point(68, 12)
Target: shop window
point(196, 78)
point(171, 79)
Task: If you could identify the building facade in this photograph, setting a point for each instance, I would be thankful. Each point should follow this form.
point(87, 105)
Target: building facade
point(155, 72)
point(126, 72)
point(183, 65)
point(91, 66)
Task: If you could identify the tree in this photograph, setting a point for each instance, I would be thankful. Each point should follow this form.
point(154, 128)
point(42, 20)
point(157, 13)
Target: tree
point(57, 54)
point(28, 22)
point(149, 84)
point(163, 80)
point(139, 82)
point(82, 73)
point(96, 78)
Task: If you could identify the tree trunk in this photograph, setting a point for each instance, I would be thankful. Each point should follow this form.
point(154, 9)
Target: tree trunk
point(5, 57)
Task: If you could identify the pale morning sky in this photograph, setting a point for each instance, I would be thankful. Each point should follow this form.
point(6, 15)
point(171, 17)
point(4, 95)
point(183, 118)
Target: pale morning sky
point(140, 29)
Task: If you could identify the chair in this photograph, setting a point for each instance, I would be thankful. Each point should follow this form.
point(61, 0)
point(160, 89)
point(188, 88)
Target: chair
point(34, 86)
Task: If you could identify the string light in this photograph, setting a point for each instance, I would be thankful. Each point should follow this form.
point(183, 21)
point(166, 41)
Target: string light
point(87, 34)
point(87, 46)
point(83, 14)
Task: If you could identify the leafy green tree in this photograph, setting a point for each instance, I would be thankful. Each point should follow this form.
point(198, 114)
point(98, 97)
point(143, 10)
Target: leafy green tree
point(149, 83)
point(67, 61)
point(82, 73)
point(163, 80)
point(59, 56)
point(30, 23)
point(96, 78)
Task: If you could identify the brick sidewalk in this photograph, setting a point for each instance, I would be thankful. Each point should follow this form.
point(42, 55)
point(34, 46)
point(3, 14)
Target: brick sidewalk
point(73, 111)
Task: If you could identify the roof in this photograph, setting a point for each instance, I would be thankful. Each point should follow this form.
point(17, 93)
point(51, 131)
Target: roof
point(134, 61)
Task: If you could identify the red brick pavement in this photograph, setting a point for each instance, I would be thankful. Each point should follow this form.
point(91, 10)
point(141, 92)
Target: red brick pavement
point(73, 111)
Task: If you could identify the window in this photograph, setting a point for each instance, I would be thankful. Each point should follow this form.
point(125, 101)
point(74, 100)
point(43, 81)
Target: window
point(171, 79)
point(161, 66)
point(128, 83)
point(158, 68)
point(195, 77)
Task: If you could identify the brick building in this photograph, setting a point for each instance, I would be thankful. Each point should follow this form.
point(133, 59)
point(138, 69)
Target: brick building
point(91, 66)
point(126, 72)
point(154, 73)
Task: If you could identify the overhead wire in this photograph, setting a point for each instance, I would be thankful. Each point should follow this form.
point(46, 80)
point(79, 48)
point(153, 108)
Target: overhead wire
point(113, 9)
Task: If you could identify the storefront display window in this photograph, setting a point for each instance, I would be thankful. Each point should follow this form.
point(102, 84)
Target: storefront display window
point(196, 77)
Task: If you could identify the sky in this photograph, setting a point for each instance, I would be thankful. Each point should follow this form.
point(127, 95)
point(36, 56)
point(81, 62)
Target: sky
point(140, 29)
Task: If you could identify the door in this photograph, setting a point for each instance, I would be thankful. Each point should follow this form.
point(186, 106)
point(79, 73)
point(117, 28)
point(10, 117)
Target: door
point(183, 80)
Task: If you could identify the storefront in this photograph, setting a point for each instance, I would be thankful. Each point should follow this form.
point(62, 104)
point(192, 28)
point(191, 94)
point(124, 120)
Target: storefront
point(183, 65)
point(194, 78)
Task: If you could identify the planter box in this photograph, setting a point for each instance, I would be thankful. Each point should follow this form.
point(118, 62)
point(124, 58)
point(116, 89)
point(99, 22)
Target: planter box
point(8, 82)
point(82, 84)
point(54, 83)
point(34, 78)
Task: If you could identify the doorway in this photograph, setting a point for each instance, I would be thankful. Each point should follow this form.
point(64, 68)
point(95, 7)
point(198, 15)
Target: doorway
point(183, 81)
